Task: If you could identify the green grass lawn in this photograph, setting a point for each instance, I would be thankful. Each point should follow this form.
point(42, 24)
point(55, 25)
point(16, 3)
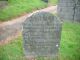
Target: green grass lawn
point(19, 7)
point(70, 42)
point(12, 51)
point(69, 49)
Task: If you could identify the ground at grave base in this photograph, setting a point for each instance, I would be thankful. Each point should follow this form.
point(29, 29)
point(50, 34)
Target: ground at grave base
point(69, 50)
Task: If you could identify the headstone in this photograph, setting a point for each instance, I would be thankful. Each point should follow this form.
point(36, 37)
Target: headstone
point(41, 34)
point(3, 3)
point(69, 10)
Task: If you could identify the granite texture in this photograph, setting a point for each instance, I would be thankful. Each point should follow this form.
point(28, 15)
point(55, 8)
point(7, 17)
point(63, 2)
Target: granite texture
point(69, 10)
point(41, 34)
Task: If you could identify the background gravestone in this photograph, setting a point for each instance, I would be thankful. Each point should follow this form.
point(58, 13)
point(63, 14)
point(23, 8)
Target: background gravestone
point(41, 34)
point(3, 3)
point(69, 10)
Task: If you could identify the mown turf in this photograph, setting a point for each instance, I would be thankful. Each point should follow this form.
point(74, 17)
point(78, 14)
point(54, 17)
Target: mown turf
point(19, 7)
point(12, 51)
point(69, 49)
point(70, 43)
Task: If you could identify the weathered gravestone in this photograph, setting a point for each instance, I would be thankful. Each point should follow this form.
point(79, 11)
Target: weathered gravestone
point(69, 10)
point(41, 34)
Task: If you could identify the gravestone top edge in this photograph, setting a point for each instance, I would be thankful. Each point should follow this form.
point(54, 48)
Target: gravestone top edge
point(42, 12)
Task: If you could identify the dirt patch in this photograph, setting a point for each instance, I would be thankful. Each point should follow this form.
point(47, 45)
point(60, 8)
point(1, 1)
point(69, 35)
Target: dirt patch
point(9, 39)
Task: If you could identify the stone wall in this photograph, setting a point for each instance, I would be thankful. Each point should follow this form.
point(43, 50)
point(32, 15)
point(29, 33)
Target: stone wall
point(69, 10)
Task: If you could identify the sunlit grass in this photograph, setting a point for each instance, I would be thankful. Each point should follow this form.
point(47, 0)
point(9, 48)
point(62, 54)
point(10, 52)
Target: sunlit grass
point(12, 51)
point(70, 42)
point(19, 7)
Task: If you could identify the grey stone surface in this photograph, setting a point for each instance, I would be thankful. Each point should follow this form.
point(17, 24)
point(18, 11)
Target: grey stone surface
point(3, 3)
point(69, 10)
point(41, 34)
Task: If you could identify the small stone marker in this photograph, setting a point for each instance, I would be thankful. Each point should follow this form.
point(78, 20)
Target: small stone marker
point(46, 1)
point(41, 34)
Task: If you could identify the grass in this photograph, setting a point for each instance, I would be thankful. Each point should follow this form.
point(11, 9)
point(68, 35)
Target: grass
point(18, 7)
point(12, 51)
point(69, 49)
